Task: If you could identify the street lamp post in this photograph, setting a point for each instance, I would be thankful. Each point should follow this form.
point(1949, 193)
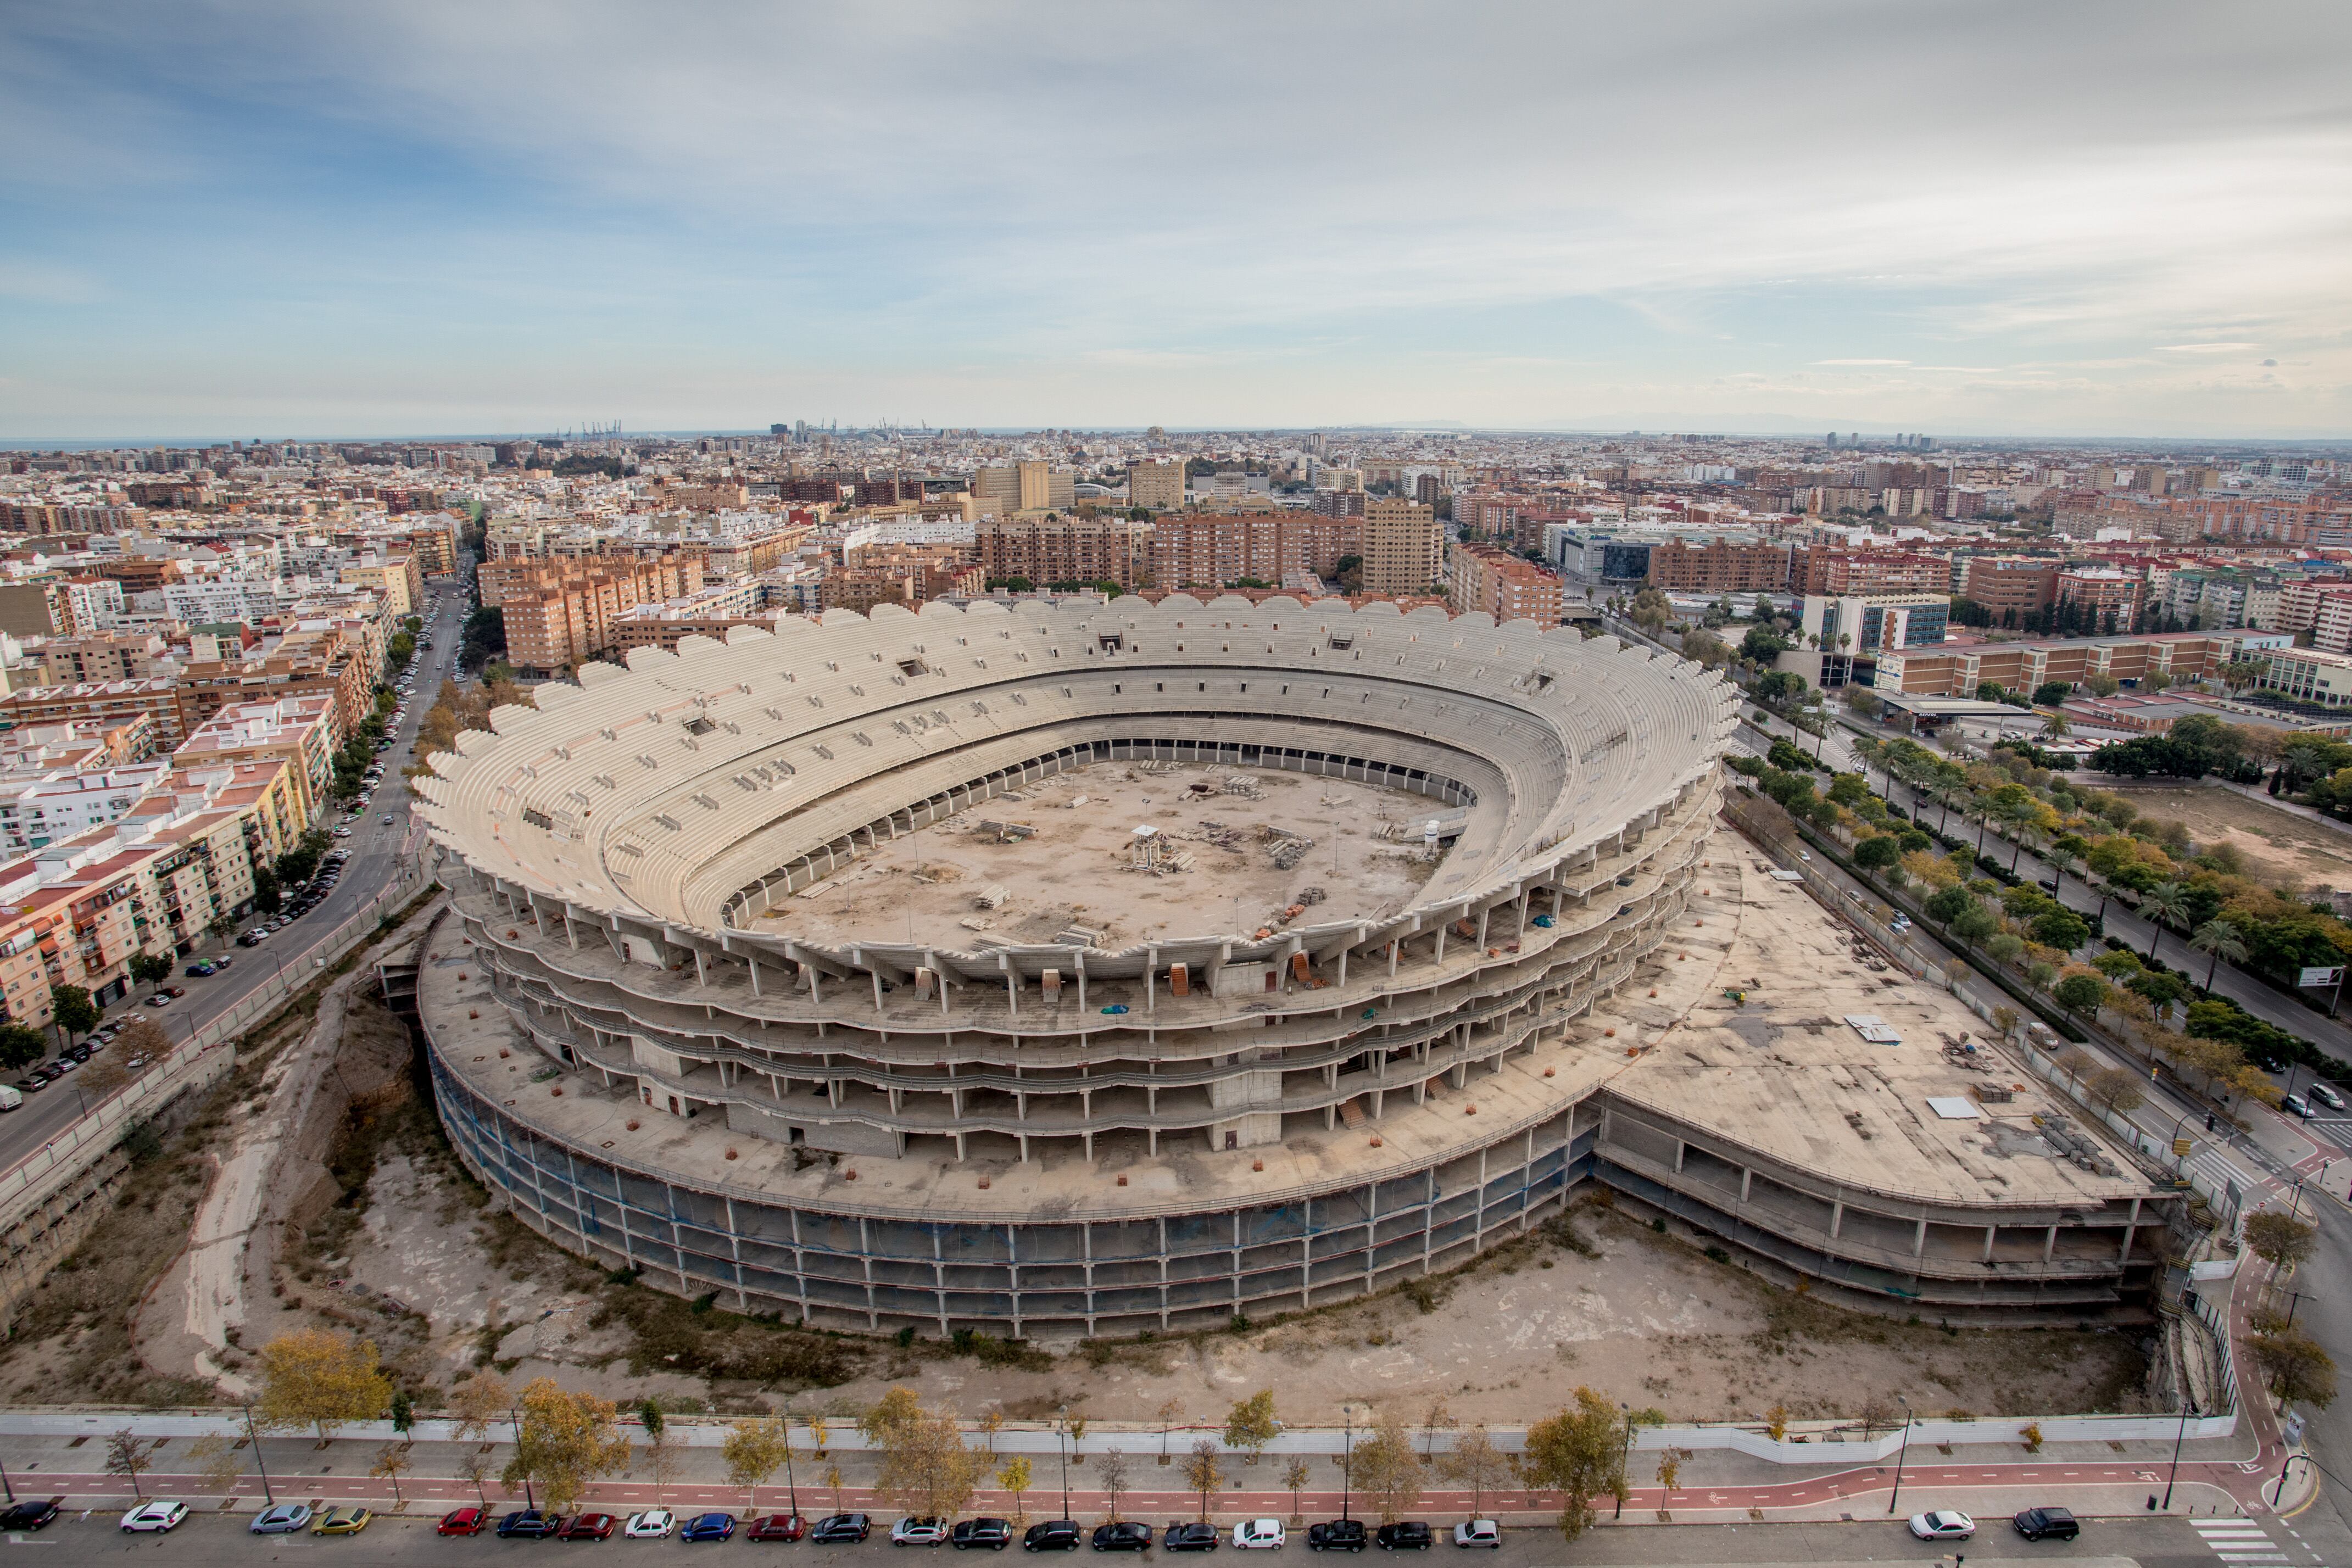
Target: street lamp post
point(1061, 1446)
point(1901, 1454)
point(269, 1498)
point(1347, 1455)
point(1625, 1458)
point(2187, 1408)
point(515, 1420)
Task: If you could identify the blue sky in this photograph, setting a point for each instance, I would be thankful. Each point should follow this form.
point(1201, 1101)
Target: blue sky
point(261, 219)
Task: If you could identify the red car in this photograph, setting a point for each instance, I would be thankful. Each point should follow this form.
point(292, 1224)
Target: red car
point(588, 1527)
point(462, 1522)
point(777, 1527)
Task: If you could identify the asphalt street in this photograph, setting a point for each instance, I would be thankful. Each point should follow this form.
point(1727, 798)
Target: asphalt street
point(2160, 1542)
point(374, 847)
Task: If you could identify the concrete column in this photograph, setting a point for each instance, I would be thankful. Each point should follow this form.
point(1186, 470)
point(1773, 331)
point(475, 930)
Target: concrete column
point(1991, 1232)
point(1837, 1219)
point(1680, 1147)
point(2131, 1229)
point(2050, 1245)
point(1747, 1175)
point(1919, 1238)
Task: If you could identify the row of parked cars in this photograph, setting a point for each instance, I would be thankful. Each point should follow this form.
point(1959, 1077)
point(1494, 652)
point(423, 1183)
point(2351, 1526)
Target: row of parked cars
point(965, 1535)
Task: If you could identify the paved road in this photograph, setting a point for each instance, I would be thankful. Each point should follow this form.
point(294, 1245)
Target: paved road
point(373, 847)
point(2161, 1542)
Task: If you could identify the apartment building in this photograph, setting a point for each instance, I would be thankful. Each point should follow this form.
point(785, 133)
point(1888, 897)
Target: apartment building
point(1026, 486)
point(71, 660)
point(1207, 550)
point(297, 730)
point(2012, 588)
point(2025, 666)
point(104, 703)
point(1063, 550)
point(1158, 486)
point(1719, 563)
point(2102, 597)
point(559, 614)
point(397, 581)
point(1841, 572)
point(1486, 579)
point(1404, 548)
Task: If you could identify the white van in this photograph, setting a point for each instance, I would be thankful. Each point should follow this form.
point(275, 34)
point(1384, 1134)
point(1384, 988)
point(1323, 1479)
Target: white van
point(10, 1098)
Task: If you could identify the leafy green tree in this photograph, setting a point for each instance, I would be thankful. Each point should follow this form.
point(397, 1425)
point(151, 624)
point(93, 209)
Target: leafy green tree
point(72, 1011)
point(2082, 992)
point(149, 968)
point(21, 1047)
point(2060, 928)
point(1579, 1453)
point(1878, 854)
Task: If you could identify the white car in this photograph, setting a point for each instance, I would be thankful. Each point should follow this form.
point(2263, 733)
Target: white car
point(158, 1515)
point(1479, 1533)
point(1261, 1534)
point(919, 1532)
point(651, 1526)
point(1943, 1524)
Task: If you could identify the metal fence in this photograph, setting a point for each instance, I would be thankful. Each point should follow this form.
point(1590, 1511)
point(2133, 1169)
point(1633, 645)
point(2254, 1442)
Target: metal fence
point(197, 1059)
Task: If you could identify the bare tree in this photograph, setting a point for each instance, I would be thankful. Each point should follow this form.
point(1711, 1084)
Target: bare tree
point(1111, 1466)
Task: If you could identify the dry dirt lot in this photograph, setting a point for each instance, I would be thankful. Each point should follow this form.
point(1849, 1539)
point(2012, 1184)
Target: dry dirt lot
point(2279, 846)
point(1075, 871)
point(1602, 1300)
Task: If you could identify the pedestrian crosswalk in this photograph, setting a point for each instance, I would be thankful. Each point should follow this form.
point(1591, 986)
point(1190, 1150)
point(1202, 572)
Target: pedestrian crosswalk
point(2239, 1540)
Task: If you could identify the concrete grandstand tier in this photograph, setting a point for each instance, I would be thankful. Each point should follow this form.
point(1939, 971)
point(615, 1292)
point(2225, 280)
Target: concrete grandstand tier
point(1194, 1116)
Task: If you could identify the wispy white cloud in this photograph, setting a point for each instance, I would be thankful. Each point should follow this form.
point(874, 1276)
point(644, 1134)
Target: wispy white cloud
point(1055, 211)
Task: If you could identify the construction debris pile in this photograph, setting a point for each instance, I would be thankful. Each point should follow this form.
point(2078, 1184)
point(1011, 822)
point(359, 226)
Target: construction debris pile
point(1290, 848)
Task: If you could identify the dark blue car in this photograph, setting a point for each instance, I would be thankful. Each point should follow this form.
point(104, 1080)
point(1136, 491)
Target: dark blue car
point(529, 1523)
point(708, 1527)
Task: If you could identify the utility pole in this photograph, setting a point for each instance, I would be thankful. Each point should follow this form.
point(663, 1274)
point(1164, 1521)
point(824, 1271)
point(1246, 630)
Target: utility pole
point(2187, 1408)
point(1061, 1445)
point(269, 1498)
point(1347, 1455)
point(1623, 1458)
point(514, 1420)
point(1901, 1454)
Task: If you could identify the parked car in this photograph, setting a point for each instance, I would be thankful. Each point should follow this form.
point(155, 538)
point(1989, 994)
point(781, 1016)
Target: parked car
point(527, 1523)
point(708, 1527)
point(1051, 1535)
point(2047, 1523)
point(201, 970)
point(919, 1532)
point(463, 1522)
point(651, 1526)
point(777, 1527)
point(1482, 1532)
point(32, 1513)
point(1189, 1537)
point(1337, 1535)
point(341, 1522)
point(2294, 1105)
point(1260, 1535)
point(1124, 1536)
point(589, 1527)
point(971, 1534)
point(2326, 1096)
point(1943, 1524)
point(160, 1514)
point(286, 1519)
point(1405, 1535)
point(842, 1527)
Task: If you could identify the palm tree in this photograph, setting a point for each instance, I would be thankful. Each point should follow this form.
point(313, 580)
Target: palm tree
point(2164, 902)
point(2055, 726)
point(2014, 815)
point(1845, 640)
point(2220, 938)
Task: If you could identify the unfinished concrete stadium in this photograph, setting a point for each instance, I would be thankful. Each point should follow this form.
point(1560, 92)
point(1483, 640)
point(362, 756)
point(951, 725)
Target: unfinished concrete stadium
point(1086, 968)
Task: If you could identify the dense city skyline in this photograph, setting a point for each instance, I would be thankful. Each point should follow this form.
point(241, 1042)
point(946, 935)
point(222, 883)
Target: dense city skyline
point(242, 220)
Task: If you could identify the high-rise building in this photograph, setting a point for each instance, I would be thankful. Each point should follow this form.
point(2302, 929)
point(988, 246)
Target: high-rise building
point(1211, 549)
point(1030, 486)
point(1403, 547)
point(1066, 549)
point(1158, 486)
point(1486, 579)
